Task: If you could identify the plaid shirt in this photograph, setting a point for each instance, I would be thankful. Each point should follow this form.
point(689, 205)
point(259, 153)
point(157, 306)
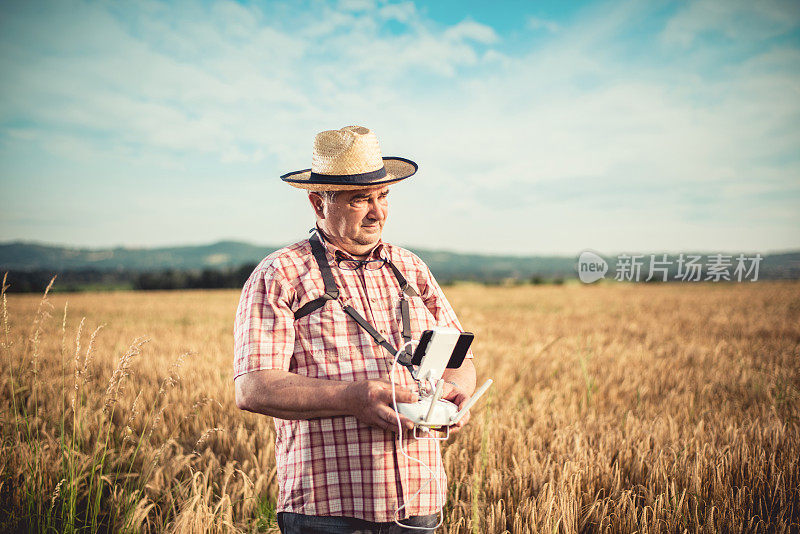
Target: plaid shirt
point(338, 466)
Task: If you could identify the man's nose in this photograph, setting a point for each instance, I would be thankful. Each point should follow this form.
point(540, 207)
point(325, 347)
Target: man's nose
point(376, 210)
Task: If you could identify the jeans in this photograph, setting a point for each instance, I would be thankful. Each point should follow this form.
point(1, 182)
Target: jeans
point(292, 523)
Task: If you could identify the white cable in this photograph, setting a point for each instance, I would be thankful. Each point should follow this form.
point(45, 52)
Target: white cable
point(402, 448)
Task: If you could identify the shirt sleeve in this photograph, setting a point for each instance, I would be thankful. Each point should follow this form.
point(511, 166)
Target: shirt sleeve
point(434, 299)
point(264, 329)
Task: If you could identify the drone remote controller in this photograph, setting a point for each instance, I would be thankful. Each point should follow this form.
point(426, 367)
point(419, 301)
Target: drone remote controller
point(438, 349)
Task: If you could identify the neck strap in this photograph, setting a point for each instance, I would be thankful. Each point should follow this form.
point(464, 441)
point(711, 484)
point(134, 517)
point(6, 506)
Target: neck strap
point(332, 293)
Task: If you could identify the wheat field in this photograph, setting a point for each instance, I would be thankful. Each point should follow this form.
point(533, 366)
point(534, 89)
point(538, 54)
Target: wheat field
point(621, 408)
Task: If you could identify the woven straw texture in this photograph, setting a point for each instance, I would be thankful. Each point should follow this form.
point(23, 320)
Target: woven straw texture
point(350, 150)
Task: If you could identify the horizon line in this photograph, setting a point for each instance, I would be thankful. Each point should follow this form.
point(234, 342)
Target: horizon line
point(410, 247)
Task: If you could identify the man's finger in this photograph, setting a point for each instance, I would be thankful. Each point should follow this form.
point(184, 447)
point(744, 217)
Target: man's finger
point(458, 398)
point(402, 395)
point(407, 423)
point(407, 395)
point(382, 421)
point(390, 415)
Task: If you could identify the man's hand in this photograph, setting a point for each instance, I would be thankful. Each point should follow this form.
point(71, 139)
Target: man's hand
point(458, 387)
point(459, 398)
point(371, 403)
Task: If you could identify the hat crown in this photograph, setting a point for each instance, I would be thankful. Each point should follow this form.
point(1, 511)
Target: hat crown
point(350, 150)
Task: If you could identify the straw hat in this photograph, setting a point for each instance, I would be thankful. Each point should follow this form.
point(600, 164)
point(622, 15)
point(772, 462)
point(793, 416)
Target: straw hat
point(349, 158)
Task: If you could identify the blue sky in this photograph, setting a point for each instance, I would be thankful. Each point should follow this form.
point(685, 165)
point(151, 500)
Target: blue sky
point(539, 127)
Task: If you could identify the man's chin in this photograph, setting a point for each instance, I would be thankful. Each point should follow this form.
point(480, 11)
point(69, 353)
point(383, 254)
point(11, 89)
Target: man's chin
point(368, 238)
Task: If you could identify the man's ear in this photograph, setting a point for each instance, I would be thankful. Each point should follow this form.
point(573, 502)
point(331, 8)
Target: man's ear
point(317, 203)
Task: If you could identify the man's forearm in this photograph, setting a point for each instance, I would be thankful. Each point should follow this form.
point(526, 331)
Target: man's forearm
point(289, 396)
point(463, 378)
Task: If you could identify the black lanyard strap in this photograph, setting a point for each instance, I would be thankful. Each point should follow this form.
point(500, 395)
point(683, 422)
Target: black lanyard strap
point(404, 286)
point(406, 333)
point(369, 329)
point(404, 312)
point(331, 290)
point(332, 293)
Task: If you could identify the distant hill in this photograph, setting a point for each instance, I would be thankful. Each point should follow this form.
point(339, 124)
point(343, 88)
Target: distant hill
point(27, 257)
point(231, 254)
point(227, 255)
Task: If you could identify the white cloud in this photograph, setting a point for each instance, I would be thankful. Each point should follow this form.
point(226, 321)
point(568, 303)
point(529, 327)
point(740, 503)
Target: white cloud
point(472, 31)
point(510, 139)
point(536, 23)
point(356, 5)
point(735, 19)
point(402, 12)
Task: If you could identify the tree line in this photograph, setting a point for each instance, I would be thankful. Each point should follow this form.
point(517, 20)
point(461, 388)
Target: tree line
point(35, 281)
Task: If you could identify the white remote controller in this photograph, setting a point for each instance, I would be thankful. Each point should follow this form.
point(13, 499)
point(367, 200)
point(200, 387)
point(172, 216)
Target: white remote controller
point(438, 346)
point(433, 412)
point(443, 412)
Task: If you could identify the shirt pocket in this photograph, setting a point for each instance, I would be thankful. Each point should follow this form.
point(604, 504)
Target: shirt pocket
point(331, 346)
point(321, 336)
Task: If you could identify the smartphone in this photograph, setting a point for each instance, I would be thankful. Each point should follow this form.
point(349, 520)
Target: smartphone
point(442, 344)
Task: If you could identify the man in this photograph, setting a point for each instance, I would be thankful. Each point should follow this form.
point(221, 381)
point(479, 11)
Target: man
point(302, 357)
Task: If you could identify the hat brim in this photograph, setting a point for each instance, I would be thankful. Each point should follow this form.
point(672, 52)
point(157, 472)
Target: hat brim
point(396, 169)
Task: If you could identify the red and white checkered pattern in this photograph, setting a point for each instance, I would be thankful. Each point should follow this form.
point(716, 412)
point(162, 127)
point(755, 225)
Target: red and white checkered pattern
point(338, 465)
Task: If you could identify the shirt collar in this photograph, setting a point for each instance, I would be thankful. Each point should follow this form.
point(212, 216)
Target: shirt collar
point(339, 253)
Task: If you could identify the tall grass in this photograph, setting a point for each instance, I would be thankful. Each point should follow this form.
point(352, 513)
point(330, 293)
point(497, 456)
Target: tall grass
point(78, 459)
point(651, 408)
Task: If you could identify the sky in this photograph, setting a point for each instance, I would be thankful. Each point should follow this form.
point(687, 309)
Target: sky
point(538, 127)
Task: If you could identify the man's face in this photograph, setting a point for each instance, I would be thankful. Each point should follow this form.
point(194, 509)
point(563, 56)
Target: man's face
point(355, 218)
